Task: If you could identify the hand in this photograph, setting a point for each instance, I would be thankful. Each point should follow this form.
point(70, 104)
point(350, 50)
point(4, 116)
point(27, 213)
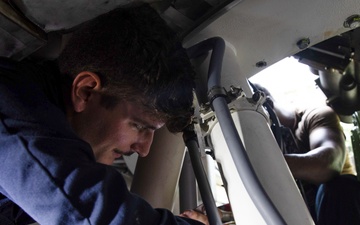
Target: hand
point(199, 214)
point(195, 215)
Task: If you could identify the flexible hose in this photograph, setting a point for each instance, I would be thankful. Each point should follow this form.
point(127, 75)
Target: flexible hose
point(232, 138)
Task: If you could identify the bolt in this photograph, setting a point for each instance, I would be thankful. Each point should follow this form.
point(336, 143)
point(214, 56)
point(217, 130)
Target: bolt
point(261, 64)
point(303, 43)
point(352, 22)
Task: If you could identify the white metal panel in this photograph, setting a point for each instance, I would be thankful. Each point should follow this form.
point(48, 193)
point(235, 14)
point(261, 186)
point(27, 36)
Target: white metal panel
point(268, 30)
point(264, 154)
point(270, 166)
point(157, 175)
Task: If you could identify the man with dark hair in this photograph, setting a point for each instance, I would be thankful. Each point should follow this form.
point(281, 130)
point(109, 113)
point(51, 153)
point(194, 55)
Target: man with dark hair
point(315, 152)
point(122, 76)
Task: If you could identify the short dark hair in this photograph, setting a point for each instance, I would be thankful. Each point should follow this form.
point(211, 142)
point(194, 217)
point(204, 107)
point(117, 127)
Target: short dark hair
point(138, 58)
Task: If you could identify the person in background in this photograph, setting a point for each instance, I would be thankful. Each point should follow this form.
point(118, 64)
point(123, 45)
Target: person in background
point(317, 157)
point(122, 76)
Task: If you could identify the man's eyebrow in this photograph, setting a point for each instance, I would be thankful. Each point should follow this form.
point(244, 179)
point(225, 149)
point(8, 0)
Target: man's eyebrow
point(144, 123)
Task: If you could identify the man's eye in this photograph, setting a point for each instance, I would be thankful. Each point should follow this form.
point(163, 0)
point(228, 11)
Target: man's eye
point(138, 126)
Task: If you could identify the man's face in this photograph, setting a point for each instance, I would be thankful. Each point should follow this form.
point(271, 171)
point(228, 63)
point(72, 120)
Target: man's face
point(123, 130)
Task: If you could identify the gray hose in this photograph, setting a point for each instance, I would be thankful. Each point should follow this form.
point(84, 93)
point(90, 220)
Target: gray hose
point(232, 138)
point(190, 139)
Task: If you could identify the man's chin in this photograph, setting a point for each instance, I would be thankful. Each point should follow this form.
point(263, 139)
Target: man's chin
point(108, 162)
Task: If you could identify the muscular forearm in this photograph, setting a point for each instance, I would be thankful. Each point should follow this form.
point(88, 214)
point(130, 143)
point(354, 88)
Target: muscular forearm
point(317, 166)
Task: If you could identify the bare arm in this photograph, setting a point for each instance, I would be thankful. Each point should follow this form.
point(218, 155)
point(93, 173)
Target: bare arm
point(325, 159)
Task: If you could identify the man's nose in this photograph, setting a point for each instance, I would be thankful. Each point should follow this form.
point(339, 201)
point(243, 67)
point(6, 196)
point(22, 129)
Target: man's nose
point(142, 145)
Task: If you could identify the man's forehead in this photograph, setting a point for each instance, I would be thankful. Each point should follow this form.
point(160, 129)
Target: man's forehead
point(147, 116)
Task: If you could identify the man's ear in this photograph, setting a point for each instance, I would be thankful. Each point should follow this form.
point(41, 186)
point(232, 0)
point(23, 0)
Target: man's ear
point(83, 87)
